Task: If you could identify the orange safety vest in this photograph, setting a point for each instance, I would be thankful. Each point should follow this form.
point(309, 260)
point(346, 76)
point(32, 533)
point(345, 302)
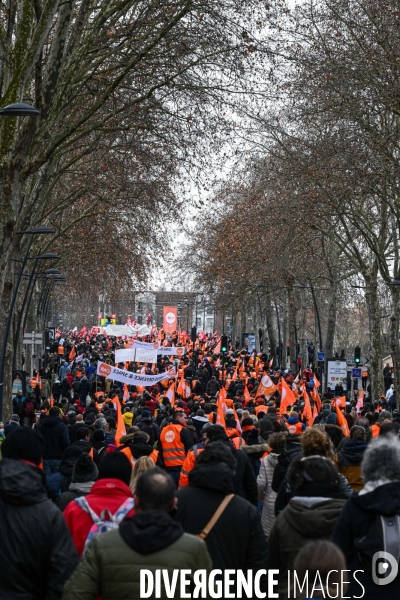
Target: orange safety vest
point(128, 453)
point(238, 442)
point(232, 431)
point(375, 430)
point(91, 453)
point(188, 465)
point(295, 429)
point(173, 450)
point(154, 456)
point(60, 350)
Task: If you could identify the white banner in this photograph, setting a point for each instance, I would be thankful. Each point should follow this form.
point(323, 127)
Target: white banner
point(145, 345)
point(144, 355)
point(172, 350)
point(125, 355)
point(117, 330)
point(105, 370)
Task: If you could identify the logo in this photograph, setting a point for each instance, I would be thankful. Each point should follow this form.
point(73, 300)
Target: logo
point(169, 436)
point(104, 369)
point(179, 352)
point(384, 568)
point(170, 318)
point(156, 345)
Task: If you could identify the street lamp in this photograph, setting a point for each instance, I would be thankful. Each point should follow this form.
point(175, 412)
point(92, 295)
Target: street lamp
point(19, 109)
point(35, 231)
point(32, 280)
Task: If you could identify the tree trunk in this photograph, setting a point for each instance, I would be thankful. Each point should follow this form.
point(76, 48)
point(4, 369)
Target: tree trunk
point(292, 326)
point(331, 325)
point(269, 321)
point(303, 329)
point(394, 339)
point(374, 314)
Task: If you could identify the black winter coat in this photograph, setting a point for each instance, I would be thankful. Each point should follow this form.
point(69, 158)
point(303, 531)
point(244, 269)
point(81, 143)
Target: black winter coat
point(237, 540)
point(84, 388)
point(358, 533)
point(56, 437)
point(37, 554)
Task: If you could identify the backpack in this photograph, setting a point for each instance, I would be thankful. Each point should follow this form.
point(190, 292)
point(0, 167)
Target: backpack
point(100, 523)
point(29, 409)
point(149, 429)
point(383, 532)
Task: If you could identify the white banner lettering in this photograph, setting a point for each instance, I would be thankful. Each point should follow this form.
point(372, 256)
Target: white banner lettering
point(146, 355)
point(105, 370)
point(172, 351)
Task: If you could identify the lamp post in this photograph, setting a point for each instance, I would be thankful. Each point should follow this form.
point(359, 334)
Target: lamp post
point(32, 280)
point(36, 231)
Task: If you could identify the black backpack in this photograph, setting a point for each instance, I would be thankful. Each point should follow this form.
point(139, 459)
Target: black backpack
point(383, 533)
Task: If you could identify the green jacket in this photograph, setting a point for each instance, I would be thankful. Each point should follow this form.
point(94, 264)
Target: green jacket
point(111, 569)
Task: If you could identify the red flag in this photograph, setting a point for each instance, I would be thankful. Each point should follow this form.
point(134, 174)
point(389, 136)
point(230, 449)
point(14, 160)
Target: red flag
point(72, 354)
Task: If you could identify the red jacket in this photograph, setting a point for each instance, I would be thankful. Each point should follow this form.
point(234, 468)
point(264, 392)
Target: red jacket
point(151, 405)
point(105, 493)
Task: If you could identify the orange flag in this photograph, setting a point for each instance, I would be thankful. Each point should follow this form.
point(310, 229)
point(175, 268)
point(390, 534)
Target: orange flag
point(315, 411)
point(316, 382)
point(51, 401)
point(126, 393)
point(246, 394)
point(271, 362)
point(238, 427)
point(287, 396)
point(181, 389)
point(307, 409)
point(342, 421)
point(171, 394)
point(266, 387)
point(72, 354)
point(121, 430)
point(220, 410)
point(341, 401)
point(360, 401)
point(316, 398)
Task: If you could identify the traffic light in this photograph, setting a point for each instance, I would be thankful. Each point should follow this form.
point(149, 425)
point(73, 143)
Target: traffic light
point(224, 343)
point(357, 355)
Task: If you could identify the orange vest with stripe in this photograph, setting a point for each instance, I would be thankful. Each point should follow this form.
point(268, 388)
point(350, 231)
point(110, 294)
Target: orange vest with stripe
point(188, 465)
point(173, 449)
point(91, 453)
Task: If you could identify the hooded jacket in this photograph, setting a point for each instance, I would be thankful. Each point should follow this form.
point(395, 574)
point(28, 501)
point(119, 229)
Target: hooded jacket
point(335, 433)
point(105, 494)
point(37, 554)
point(348, 462)
point(306, 517)
point(237, 540)
point(356, 535)
point(56, 437)
point(150, 540)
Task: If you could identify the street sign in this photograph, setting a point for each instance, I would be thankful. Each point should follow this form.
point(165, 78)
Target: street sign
point(33, 334)
point(30, 341)
point(350, 360)
point(356, 373)
point(321, 356)
point(363, 360)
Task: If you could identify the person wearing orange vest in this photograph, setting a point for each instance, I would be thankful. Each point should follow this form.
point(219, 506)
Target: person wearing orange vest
point(135, 445)
point(189, 464)
point(294, 425)
point(174, 444)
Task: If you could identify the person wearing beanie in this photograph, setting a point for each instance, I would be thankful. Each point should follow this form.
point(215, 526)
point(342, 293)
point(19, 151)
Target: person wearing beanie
point(333, 430)
point(12, 424)
point(37, 554)
point(83, 477)
point(109, 492)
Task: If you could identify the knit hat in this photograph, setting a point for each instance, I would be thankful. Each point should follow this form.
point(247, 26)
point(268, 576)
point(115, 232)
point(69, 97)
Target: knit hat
point(145, 416)
point(115, 466)
point(84, 469)
point(14, 418)
point(230, 411)
point(331, 419)
point(24, 444)
point(99, 435)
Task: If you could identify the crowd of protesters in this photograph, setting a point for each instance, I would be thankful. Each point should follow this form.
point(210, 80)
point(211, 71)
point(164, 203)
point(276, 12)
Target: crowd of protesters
point(208, 469)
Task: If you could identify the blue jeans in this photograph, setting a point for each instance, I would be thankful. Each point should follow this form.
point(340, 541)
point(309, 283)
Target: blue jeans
point(51, 466)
